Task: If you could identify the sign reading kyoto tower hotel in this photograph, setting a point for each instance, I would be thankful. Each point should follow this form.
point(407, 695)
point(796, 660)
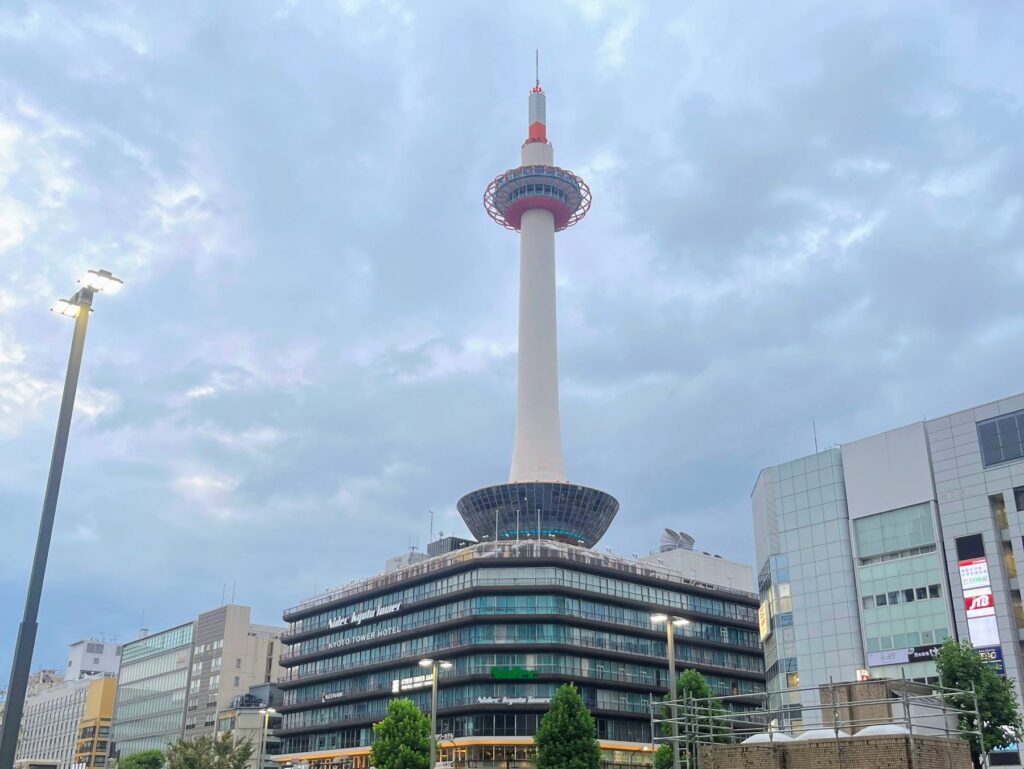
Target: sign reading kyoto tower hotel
point(538, 199)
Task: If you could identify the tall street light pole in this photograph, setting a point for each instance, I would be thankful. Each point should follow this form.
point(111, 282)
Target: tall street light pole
point(78, 307)
point(434, 665)
point(670, 637)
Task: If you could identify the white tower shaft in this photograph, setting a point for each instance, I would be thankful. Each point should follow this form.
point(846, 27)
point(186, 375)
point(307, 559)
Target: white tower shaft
point(537, 452)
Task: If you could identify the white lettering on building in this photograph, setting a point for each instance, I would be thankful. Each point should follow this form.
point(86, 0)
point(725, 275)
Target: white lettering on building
point(356, 618)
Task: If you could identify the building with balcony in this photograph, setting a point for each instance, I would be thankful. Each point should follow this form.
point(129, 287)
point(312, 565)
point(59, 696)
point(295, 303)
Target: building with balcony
point(54, 719)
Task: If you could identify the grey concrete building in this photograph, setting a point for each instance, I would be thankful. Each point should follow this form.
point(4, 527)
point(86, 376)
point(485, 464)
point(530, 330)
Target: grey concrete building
point(173, 683)
point(870, 554)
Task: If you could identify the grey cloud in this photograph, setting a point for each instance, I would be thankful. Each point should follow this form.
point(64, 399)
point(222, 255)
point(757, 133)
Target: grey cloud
point(808, 213)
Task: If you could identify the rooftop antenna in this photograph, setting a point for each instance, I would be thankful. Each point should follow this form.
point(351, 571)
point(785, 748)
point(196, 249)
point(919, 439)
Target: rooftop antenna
point(537, 88)
point(814, 429)
point(234, 582)
point(431, 525)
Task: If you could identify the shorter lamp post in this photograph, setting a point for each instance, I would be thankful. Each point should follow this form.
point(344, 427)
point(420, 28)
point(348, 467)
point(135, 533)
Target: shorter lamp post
point(434, 665)
point(670, 623)
point(265, 712)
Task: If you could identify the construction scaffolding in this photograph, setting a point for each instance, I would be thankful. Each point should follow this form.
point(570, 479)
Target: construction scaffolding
point(933, 724)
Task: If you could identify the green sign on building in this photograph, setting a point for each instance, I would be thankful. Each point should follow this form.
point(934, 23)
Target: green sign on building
point(512, 674)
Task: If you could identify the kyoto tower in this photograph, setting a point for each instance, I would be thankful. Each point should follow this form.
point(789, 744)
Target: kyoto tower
point(537, 199)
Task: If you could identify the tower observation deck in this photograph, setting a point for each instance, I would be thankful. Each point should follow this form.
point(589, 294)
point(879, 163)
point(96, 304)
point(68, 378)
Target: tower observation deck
point(538, 199)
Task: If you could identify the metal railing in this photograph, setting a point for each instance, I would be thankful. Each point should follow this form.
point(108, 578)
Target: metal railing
point(831, 711)
point(525, 549)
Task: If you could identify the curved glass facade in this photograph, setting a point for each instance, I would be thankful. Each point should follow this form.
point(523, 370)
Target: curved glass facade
point(516, 511)
point(516, 621)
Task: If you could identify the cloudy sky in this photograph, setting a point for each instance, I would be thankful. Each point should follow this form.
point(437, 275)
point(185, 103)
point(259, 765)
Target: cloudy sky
point(801, 212)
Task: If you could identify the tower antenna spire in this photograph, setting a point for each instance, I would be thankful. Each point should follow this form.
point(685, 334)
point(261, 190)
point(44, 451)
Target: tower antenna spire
point(537, 65)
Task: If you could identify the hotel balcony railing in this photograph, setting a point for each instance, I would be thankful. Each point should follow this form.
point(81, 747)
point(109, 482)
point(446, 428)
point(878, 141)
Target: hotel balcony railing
point(489, 551)
point(684, 633)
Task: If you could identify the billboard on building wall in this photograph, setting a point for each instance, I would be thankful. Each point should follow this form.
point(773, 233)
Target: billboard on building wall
point(994, 656)
point(978, 602)
point(762, 620)
point(983, 631)
point(903, 656)
point(974, 573)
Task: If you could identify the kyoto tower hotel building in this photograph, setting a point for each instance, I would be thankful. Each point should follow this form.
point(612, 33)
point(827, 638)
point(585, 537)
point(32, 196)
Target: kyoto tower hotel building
point(527, 607)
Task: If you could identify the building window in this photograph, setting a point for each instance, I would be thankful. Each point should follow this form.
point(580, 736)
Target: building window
point(1018, 498)
point(971, 546)
point(236, 680)
point(1002, 438)
point(238, 663)
point(934, 591)
point(868, 601)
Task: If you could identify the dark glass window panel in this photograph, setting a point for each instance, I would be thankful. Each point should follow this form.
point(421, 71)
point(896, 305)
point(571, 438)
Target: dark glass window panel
point(971, 546)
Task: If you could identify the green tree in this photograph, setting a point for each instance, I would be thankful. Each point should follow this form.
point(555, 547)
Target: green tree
point(209, 752)
point(701, 717)
point(146, 759)
point(567, 735)
point(961, 667)
point(402, 739)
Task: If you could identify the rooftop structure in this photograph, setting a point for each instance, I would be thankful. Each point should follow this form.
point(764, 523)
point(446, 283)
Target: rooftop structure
point(538, 199)
point(677, 555)
point(90, 657)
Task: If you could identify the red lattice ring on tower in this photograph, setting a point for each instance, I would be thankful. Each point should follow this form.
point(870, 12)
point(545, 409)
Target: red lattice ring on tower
point(571, 204)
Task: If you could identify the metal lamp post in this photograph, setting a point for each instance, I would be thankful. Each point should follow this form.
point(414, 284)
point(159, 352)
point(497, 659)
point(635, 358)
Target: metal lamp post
point(670, 624)
point(77, 307)
point(434, 665)
point(265, 712)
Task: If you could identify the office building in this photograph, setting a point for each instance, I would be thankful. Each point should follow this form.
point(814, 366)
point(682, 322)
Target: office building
point(55, 717)
point(173, 683)
point(91, 657)
point(871, 553)
point(527, 608)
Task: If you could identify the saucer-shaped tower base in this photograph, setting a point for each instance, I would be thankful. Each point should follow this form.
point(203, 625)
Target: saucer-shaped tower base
point(566, 512)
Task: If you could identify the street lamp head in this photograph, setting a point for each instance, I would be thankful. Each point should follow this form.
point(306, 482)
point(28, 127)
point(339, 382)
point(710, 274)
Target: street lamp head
point(101, 280)
point(271, 710)
point(426, 663)
point(66, 308)
point(658, 618)
point(680, 621)
point(446, 665)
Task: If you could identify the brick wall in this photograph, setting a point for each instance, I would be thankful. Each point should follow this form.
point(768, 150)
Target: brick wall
point(875, 752)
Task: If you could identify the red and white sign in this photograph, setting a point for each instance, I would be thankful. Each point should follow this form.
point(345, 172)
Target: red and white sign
point(979, 602)
point(974, 573)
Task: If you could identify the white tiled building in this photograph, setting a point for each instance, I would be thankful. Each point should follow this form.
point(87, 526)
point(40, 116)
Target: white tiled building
point(49, 723)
